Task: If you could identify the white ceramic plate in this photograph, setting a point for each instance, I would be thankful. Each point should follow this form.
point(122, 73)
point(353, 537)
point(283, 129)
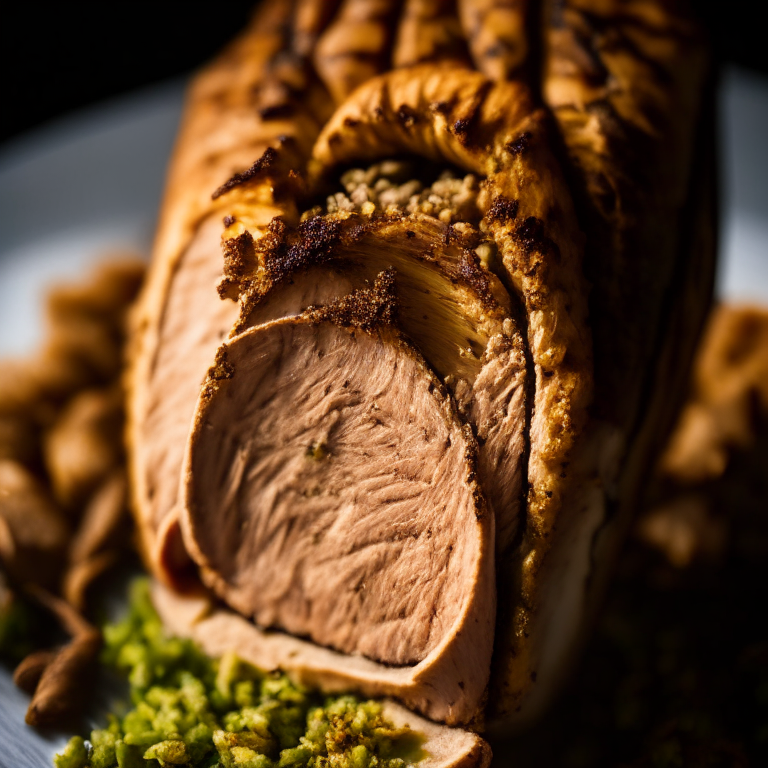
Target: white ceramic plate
point(93, 182)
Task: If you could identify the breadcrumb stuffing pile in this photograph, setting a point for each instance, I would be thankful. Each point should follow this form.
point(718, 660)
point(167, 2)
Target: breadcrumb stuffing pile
point(393, 186)
point(396, 187)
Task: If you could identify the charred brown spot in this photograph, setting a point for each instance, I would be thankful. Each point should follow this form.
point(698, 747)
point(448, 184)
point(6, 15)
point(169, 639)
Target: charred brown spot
point(473, 274)
point(461, 127)
point(221, 370)
point(240, 259)
point(277, 230)
point(312, 243)
point(521, 144)
point(359, 229)
point(468, 238)
point(502, 209)
point(530, 234)
point(238, 251)
point(229, 221)
point(540, 251)
point(407, 115)
point(265, 162)
point(351, 122)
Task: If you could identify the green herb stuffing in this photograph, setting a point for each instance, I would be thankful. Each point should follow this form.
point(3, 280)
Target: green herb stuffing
point(191, 710)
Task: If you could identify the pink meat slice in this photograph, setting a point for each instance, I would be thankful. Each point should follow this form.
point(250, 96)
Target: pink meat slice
point(330, 492)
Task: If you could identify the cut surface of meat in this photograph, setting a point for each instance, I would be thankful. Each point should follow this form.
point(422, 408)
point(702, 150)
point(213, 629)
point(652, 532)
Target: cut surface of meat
point(186, 345)
point(455, 312)
point(331, 491)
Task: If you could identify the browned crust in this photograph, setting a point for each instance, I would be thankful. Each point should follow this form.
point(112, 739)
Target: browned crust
point(355, 47)
point(364, 308)
point(674, 274)
point(429, 31)
point(253, 268)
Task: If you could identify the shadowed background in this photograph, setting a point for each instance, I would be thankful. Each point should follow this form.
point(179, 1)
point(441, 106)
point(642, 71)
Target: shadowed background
point(58, 58)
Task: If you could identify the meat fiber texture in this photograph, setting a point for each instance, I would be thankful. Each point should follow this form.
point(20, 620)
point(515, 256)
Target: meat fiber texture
point(398, 426)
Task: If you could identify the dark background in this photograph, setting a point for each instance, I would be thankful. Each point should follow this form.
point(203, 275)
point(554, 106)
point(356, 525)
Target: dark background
point(58, 58)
